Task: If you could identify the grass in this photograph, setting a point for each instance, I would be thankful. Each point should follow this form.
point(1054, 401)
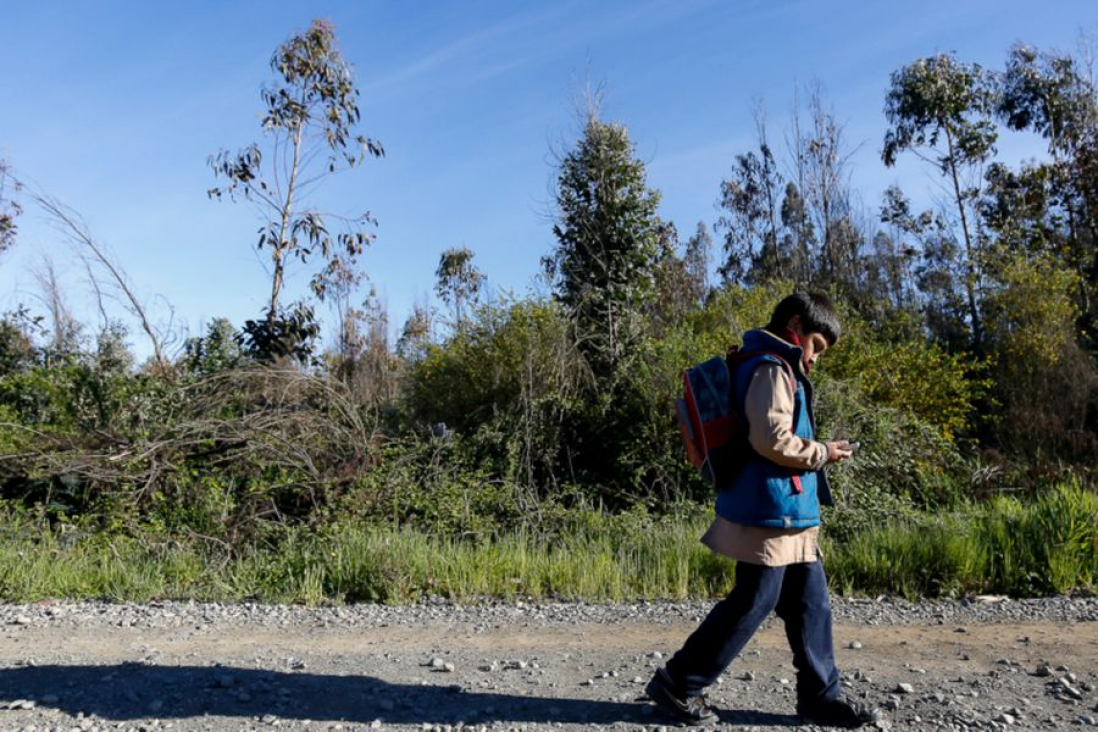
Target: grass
point(1046, 545)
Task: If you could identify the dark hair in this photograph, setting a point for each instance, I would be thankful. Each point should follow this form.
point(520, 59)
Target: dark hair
point(817, 315)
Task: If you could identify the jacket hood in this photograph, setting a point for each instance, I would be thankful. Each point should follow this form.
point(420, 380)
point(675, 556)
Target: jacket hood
point(763, 340)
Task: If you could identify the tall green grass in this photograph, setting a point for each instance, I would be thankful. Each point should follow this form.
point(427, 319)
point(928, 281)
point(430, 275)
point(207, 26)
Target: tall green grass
point(1046, 545)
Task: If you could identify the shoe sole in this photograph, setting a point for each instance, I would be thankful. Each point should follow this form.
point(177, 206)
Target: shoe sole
point(658, 695)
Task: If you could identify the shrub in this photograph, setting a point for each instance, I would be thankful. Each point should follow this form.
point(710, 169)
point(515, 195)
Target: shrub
point(902, 460)
point(511, 377)
point(437, 485)
point(1046, 384)
point(914, 377)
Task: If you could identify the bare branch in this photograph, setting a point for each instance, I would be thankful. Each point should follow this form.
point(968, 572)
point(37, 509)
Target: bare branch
point(73, 226)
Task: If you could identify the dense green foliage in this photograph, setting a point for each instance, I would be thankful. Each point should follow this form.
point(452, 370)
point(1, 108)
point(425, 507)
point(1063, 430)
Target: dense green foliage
point(530, 448)
point(607, 233)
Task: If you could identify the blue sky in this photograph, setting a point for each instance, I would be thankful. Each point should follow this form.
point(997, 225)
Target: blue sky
point(114, 108)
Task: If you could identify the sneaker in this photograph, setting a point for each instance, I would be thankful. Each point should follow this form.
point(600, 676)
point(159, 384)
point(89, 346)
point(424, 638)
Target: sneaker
point(836, 713)
point(688, 709)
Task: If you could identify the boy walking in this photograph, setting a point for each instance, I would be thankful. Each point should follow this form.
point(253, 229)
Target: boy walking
point(767, 519)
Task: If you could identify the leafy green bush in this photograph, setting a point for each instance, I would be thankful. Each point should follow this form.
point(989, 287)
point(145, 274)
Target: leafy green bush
point(437, 485)
point(914, 377)
point(510, 376)
point(901, 458)
point(1046, 384)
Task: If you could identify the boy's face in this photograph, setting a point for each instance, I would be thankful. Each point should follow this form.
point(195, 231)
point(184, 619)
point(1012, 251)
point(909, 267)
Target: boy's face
point(813, 344)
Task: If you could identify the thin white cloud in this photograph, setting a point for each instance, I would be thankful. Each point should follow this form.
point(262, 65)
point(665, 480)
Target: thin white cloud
point(458, 49)
point(719, 153)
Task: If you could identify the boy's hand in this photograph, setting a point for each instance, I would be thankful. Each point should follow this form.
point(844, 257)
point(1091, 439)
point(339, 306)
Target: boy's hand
point(838, 451)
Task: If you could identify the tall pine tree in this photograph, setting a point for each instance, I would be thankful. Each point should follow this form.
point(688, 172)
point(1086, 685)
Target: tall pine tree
point(607, 235)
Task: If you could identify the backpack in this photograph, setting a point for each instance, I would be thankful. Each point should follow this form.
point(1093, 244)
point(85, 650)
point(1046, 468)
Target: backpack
point(713, 430)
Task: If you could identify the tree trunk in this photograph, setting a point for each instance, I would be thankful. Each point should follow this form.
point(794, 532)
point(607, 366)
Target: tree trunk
point(276, 286)
point(283, 245)
point(971, 271)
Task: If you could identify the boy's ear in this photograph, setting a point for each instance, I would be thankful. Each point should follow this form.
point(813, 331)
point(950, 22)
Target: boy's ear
point(794, 323)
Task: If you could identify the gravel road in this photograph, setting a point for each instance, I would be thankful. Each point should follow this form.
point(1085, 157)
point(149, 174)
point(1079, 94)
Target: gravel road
point(985, 664)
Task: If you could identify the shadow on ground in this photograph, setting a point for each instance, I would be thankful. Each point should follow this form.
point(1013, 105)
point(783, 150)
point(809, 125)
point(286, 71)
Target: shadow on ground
point(132, 691)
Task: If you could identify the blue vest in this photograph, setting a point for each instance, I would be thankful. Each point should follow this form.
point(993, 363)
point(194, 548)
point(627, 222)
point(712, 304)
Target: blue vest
point(764, 493)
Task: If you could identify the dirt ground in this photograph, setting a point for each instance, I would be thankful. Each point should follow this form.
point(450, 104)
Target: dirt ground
point(520, 674)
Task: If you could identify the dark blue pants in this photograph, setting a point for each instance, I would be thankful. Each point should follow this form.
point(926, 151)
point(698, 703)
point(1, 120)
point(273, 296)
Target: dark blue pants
point(798, 593)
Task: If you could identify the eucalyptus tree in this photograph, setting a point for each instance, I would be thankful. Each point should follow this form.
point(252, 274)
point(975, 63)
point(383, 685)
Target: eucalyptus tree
point(899, 245)
point(1053, 95)
point(309, 119)
point(802, 229)
point(415, 335)
point(343, 280)
point(1051, 205)
point(458, 281)
point(750, 213)
point(676, 287)
point(940, 109)
point(823, 172)
point(749, 218)
point(696, 260)
point(799, 236)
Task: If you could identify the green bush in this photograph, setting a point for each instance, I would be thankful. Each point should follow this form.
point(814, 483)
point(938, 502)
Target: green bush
point(911, 376)
point(1046, 384)
point(510, 377)
point(510, 358)
point(901, 459)
point(436, 485)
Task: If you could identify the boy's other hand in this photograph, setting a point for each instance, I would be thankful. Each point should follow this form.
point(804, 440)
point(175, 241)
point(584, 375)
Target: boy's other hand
point(838, 451)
